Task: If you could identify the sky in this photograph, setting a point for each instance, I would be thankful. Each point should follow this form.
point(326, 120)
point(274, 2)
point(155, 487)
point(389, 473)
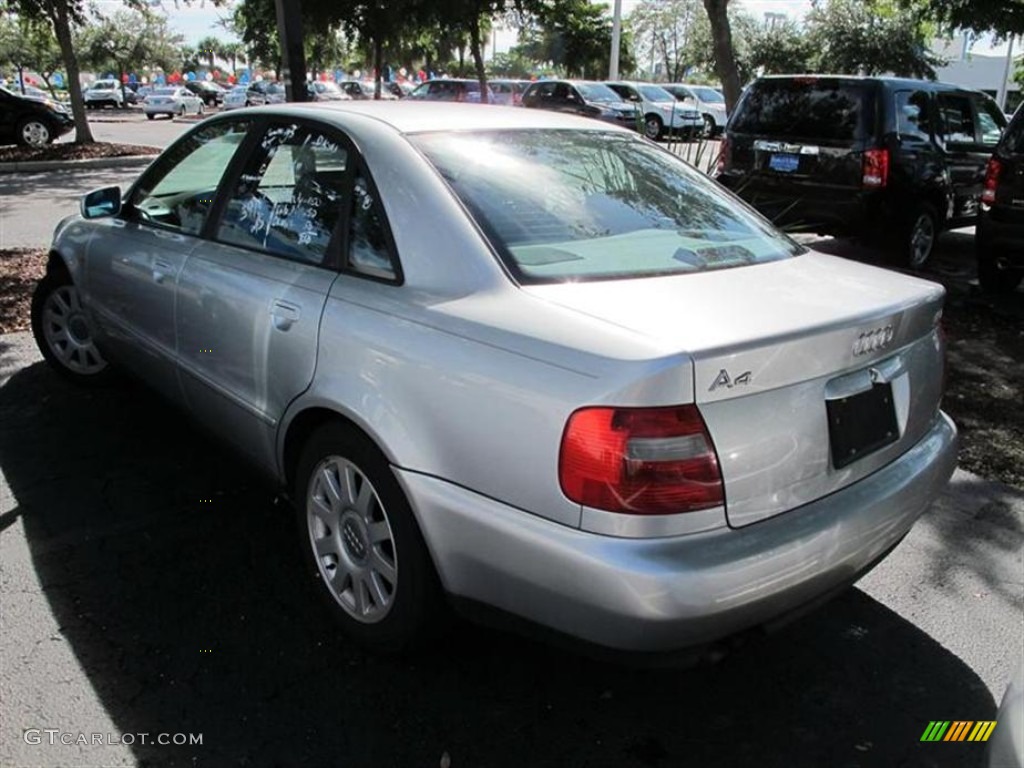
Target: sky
point(199, 19)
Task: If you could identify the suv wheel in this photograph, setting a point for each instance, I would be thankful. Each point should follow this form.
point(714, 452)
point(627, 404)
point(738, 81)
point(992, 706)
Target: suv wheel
point(653, 127)
point(919, 236)
point(361, 545)
point(33, 132)
point(991, 276)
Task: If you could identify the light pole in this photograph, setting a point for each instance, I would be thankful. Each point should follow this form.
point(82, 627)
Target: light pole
point(1003, 84)
point(613, 64)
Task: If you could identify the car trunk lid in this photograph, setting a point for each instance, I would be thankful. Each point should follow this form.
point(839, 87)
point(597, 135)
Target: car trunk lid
point(800, 367)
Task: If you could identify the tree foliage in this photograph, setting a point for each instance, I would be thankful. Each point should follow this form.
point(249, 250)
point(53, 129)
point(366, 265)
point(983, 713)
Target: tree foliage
point(128, 40)
point(870, 37)
point(664, 32)
point(1003, 17)
point(574, 36)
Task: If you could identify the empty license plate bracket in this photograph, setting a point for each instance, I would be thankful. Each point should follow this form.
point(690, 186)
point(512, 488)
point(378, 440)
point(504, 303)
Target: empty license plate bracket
point(861, 424)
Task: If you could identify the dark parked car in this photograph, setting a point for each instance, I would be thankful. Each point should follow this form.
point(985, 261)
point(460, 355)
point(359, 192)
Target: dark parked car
point(362, 91)
point(581, 97)
point(31, 122)
point(1000, 234)
point(874, 157)
point(212, 95)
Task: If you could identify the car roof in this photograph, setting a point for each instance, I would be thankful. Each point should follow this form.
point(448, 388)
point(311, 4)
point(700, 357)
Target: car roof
point(891, 82)
point(413, 117)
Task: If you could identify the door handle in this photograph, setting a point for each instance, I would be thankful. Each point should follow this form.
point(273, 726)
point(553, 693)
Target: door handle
point(284, 314)
point(161, 270)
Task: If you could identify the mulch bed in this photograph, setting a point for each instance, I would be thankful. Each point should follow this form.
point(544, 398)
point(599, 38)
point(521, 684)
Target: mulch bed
point(71, 151)
point(984, 385)
point(20, 270)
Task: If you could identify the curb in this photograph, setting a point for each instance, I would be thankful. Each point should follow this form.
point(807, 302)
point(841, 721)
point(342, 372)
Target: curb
point(127, 161)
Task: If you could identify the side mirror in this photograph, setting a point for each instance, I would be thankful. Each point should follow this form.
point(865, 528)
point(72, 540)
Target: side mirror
point(101, 202)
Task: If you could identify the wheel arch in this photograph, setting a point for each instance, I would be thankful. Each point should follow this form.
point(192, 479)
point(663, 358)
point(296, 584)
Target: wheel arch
point(297, 430)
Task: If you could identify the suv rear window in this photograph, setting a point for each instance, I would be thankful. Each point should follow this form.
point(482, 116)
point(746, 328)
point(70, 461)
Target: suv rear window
point(805, 108)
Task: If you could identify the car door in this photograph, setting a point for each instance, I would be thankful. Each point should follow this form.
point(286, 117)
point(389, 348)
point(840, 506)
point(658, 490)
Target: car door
point(9, 117)
point(250, 299)
point(918, 168)
point(971, 129)
point(134, 259)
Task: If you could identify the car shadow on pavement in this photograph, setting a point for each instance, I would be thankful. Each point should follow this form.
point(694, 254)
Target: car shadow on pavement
point(173, 575)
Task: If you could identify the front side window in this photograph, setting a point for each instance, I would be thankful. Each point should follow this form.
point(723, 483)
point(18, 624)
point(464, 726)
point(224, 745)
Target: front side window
point(177, 192)
point(287, 199)
point(563, 205)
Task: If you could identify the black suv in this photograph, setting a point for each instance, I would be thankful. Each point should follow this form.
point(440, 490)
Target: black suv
point(1000, 237)
point(31, 122)
point(581, 97)
point(211, 94)
point(866, 156)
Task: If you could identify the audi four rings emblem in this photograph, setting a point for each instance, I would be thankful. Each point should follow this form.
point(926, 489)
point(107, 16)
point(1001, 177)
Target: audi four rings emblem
point(874, 340)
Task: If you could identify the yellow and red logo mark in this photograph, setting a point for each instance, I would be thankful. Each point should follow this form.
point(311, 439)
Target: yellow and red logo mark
point(958, 730)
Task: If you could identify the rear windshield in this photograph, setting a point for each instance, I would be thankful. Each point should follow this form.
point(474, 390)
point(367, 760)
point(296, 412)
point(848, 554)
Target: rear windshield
point(570, 205)
point(805, 108)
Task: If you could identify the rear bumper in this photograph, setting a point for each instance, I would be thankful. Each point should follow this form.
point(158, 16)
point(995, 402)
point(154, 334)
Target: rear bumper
point(1000, 235)
point(656, 595)
point(801, 207)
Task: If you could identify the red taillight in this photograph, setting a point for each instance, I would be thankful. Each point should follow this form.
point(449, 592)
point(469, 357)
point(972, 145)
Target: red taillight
point(642, 461)
point(876, 168)
point(723, 152)
point(992, 172)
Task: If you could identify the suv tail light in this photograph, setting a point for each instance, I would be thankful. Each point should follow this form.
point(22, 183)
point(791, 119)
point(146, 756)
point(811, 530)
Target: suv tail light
point(723, 152)
point(993, 170)
point(640, 461)
point(876, 168)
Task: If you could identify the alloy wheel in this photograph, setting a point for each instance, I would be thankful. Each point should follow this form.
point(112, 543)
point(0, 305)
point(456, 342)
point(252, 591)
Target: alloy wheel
point(922, 240)
point(652, 128)
point(68, 333)
point(352, 541)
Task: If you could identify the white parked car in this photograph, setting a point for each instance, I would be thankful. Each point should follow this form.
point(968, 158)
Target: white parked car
point(708, 101)
point(103, 93)
point(171, 101)
point(662, 113)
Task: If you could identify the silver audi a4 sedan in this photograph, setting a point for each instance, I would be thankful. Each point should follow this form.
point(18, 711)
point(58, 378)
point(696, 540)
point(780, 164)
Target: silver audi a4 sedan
point(517, 360)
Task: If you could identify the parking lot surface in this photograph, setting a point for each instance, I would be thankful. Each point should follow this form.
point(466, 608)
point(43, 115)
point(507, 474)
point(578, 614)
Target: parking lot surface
point(149, 586)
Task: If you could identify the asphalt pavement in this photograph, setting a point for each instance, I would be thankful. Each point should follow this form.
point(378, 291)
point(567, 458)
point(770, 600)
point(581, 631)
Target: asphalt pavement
point(148, 586)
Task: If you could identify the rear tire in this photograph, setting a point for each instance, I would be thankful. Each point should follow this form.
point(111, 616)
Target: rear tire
point(361, 546)
point(993, 278)
point(64, 334)
point(916, 238)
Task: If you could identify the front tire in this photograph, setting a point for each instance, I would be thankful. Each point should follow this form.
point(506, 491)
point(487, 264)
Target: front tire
point(653, 127)
point(64, 333)
point(361, 545)
point(33, 132)
point(708, 131)
point(150, 116)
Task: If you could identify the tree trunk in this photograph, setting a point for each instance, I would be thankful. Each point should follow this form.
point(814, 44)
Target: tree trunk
point(725, 58)
point(49, 85)
point(58, 15)
point(378, 66)
point(478, 57)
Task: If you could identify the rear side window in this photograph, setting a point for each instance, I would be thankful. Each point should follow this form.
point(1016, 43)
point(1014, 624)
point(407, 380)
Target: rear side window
point(288, 198)
point(806, 108)
point(913, 115)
